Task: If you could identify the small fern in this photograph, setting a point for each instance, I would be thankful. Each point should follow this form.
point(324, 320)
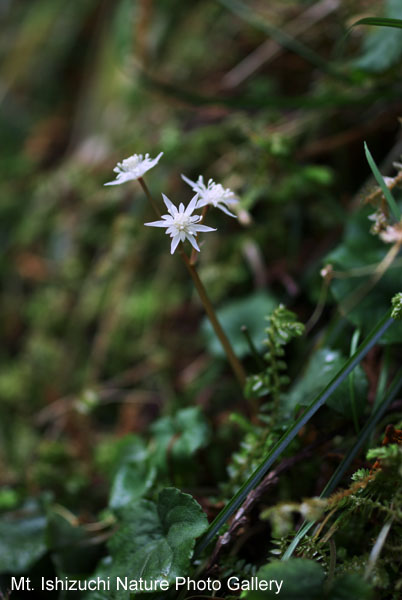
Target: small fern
point(282, 328)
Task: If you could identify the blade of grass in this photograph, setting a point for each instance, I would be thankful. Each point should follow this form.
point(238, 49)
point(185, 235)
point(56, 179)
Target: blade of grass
point(291, 433)
point(379, 22)
point(353, 347)
point(373, 21)
point(380, 180)
point(344, 465)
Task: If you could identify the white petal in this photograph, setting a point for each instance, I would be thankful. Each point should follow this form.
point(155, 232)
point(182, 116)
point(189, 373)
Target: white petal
point(157, 159)
point(198, 186)
point(202, 228)
point(187, 180)
point(121, 178)
point(174, 244)
point(192, 205)
point(225, 210)
point(168, 203)
point(202, 202)
point(192, 241)
point(172, 230)
point(147, 164)
point(157, 224)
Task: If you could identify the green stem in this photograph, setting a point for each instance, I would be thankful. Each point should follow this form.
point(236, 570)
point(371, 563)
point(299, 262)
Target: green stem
point(291, 433)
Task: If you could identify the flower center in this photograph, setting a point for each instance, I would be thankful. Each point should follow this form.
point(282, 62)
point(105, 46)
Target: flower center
point(130, 164)
point(181, 221)
point(215, 193)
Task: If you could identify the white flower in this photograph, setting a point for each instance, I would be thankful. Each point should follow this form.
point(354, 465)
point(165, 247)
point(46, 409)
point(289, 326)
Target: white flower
point(213, 193)
point(181, 223)
point(392, 234)
point(133, 167)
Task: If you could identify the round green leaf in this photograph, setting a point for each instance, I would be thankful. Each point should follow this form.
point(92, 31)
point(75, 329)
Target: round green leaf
point(302, 580)
point(156, 540)
point(22, 539)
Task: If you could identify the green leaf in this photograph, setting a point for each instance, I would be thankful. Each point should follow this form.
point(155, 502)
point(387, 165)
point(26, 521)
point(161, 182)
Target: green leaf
point(250, 311)
point(302, 580)
point(105, 569)
point(382, 48)
point(380, 180)
point(112, 454)
point(181, 434)
point(380, 22)
point(135, 469)
point(323, 365)
point(358, 250)
point(131, 482)
point(70, 546)
point(22, 538)
point(156, 540)
point(130, 468)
